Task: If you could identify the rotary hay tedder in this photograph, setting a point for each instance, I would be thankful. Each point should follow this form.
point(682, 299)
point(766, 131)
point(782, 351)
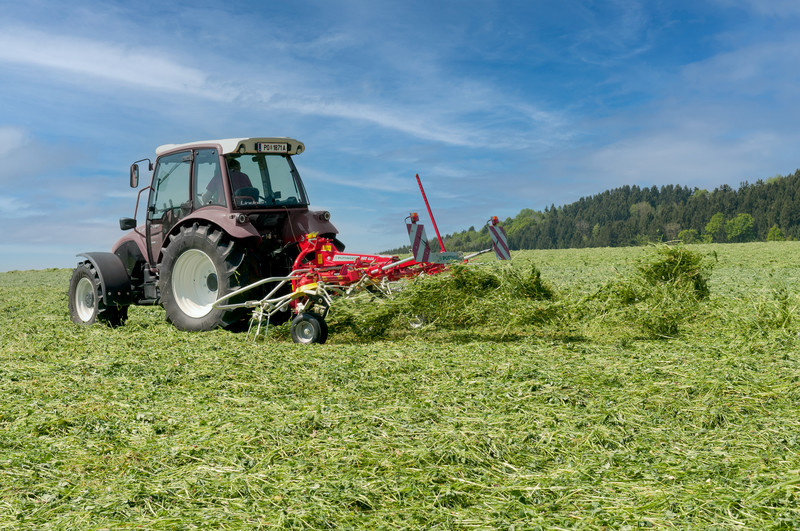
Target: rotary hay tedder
point(321, 273)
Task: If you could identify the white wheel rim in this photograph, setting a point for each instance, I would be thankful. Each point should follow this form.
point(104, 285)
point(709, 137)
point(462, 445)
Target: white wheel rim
point(304, 331)
point(195, 283)
point(85, 299)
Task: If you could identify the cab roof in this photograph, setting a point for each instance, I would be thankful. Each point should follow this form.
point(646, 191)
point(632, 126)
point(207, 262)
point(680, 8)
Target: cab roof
point(284, 145)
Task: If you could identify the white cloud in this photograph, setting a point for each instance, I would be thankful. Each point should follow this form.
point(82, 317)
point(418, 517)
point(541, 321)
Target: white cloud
point(11, 140)
point(773, 8)
point(410, 122)
point(144, 68)
point(440, 118)
point(610, 32)
point(17, 155)
point(12, 207)
point(383, 183)
point(762, 67)
point(685, 157)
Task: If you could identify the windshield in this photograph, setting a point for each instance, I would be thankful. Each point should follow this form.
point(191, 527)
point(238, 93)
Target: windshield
point(265, 181)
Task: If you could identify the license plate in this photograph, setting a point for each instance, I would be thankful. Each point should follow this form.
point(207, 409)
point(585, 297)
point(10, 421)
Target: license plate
point(269, 147)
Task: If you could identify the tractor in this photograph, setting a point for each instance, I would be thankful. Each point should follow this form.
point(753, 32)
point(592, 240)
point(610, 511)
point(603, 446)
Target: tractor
point(221, 215)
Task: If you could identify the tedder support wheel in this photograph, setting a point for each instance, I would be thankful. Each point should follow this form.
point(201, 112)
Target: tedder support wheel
point(86, 305)
point(200, 264)
point(309, 328)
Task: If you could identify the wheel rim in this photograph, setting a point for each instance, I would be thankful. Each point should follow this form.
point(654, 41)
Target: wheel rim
point(85, 299)
point(194, 283)
point(417, 321)
point(305, 331)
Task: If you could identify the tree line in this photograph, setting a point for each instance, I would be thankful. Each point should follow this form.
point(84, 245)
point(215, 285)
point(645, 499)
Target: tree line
point(765, 210)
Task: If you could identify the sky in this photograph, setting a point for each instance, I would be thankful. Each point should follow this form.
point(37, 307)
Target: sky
point(499, 106)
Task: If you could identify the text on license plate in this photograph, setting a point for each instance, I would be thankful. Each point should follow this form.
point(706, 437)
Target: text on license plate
point(271, 147)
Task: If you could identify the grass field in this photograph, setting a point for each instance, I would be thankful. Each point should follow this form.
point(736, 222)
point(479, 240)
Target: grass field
point(577, 411)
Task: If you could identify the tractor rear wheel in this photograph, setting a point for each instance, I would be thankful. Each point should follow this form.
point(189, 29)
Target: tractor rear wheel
point(86, 305)
point(200, 264)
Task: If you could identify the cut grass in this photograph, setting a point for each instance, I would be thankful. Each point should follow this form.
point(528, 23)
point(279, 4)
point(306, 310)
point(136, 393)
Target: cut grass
point(578, 422)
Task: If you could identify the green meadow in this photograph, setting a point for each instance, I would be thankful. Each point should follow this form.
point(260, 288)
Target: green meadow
point(622, 388)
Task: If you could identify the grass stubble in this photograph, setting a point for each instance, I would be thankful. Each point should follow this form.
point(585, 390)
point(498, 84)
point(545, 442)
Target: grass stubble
point(544, 396)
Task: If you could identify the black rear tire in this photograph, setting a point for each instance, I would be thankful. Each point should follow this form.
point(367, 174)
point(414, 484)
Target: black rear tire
point(201, 264)
point(86, 305)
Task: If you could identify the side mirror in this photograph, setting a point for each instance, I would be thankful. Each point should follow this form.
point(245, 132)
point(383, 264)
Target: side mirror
point(127, 223)
point(134, 177)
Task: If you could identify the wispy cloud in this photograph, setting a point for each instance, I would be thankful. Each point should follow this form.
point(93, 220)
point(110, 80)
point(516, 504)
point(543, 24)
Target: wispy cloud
point(664, 158)
point(13, 207)
point(766, 66)
point(11, 139)
point(381, 183)
point(611, 32)
point(441, 118)
point(773, 8)
point(18, 157)
point(126, 65)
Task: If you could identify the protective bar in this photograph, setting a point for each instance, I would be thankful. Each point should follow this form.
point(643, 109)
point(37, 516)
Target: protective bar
point(430, 213)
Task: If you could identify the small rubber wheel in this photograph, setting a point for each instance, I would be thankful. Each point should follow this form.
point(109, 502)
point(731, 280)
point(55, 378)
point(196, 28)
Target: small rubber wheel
point(308, 328)
point(417, 321)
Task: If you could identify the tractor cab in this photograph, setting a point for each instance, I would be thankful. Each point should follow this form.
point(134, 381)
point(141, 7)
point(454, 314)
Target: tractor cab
point(247, 186)
point(220, 214)
point(233, 173)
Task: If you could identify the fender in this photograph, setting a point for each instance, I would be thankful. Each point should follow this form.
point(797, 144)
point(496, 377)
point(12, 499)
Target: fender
point(222, 218)
point(225, 221)
point(114, 278)
point(133, 240)
point(303, 222)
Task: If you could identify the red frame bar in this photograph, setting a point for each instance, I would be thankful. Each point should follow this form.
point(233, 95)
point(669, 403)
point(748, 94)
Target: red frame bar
point(430, 213)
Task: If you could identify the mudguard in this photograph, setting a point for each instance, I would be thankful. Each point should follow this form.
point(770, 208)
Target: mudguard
point(303, 222)
point(114, 278)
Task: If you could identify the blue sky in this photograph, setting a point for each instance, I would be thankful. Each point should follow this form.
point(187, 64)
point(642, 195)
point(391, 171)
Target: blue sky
point(499, 106)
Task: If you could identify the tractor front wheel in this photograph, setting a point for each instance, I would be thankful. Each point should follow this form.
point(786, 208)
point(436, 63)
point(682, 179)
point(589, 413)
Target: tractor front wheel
point(199, 266)
point(86, 304)
point(309, 328)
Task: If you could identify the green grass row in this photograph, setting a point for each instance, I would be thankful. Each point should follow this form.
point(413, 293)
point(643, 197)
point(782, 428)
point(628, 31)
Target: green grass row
point(560, 410)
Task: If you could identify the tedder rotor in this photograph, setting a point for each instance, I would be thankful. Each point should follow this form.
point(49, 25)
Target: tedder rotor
point(321, 272)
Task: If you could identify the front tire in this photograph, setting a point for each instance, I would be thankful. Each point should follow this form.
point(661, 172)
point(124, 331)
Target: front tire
point(308, 328)
point(86, 305)
point(199, 266)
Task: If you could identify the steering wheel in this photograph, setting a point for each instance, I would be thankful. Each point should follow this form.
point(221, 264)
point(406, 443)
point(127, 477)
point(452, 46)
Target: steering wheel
point(244, 200)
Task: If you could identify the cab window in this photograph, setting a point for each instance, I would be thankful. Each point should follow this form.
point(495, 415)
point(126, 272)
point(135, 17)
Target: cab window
point(171, 186)
point(208, 188)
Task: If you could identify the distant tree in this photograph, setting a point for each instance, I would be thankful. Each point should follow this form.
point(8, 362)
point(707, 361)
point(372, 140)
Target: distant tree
point(741, 228)
point(641, 209)
point(715, 228)
point(583, 228)
point(671, 231)
point(775, 234)
point(688, 235)
point(632, 215)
